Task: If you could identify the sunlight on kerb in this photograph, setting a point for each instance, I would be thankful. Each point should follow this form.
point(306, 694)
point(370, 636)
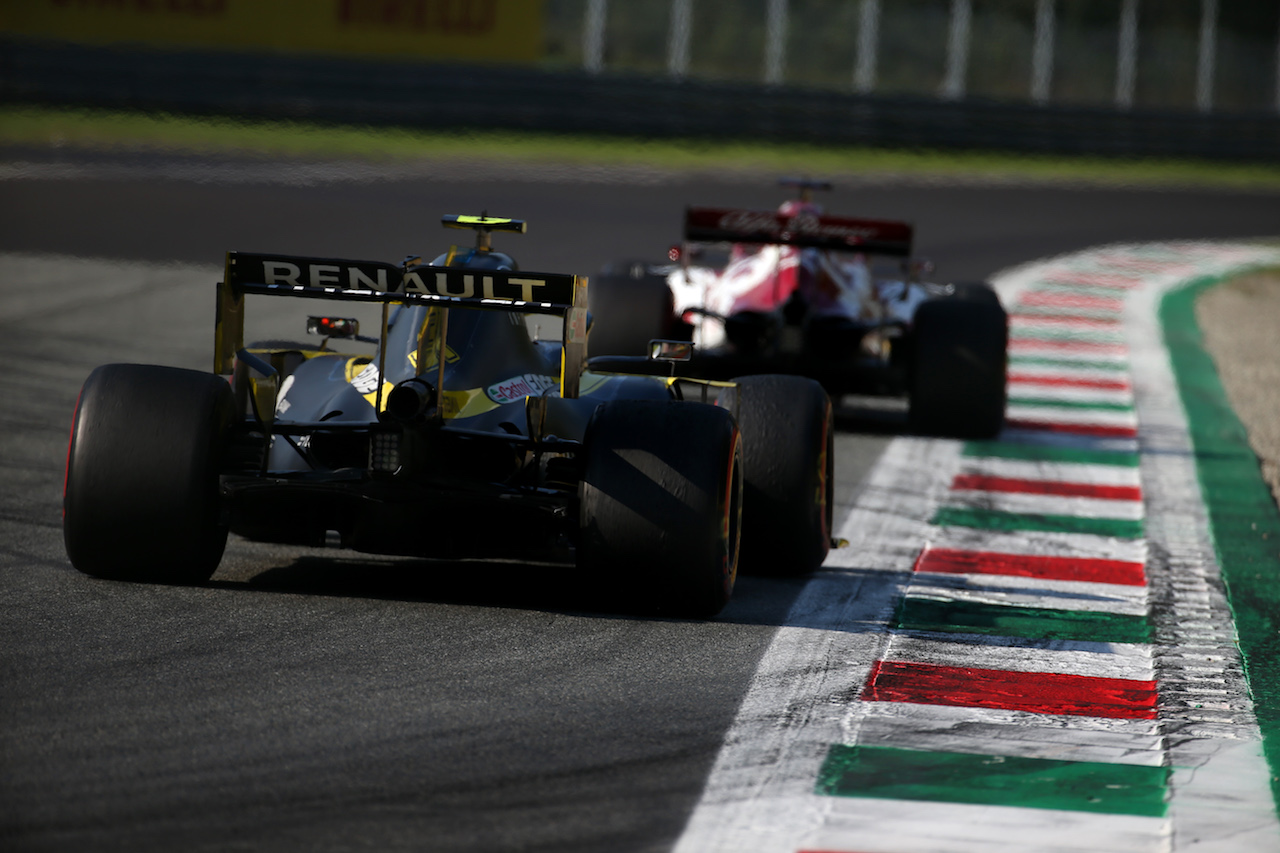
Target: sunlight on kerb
point(103, 129)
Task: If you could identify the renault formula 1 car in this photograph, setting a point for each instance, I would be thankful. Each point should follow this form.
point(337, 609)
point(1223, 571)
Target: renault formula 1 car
point(794, 292)
point(461, 436)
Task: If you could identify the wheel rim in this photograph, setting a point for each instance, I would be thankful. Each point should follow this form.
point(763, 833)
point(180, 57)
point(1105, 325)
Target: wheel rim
point(826, 477)
point(732, 525)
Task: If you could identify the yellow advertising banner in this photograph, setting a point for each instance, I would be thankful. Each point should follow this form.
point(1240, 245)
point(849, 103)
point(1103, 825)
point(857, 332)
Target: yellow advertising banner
point(477, 30)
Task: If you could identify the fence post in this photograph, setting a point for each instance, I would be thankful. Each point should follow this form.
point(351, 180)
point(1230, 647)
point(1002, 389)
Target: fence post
point(593, 36)
point(1127, 55)
point(1042, 53)
point(775, 42)
point(864, 69)
point(1208, 43)
point(678, 39)
point(953, 82)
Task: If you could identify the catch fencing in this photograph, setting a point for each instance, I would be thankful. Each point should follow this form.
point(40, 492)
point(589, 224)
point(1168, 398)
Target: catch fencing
point(1206, 55)
point(793, 72)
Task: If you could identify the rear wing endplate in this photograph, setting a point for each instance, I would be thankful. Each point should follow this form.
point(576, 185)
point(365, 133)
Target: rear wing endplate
point(839, 233)
point(555, 294)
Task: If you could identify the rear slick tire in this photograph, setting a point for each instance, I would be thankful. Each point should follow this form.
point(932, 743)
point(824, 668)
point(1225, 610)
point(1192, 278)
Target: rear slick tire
point(661, 504)
point(788, 456)
point(141, 500)
point(959, 365)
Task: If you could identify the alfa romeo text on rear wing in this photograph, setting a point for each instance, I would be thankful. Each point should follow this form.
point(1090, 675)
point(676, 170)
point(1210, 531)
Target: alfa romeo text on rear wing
point(840, 233)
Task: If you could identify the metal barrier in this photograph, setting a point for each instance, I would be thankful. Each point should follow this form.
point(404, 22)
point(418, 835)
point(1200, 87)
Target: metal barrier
point(457, 97)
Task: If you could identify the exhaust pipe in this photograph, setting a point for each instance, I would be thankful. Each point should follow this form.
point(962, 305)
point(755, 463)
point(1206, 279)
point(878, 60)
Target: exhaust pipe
point(411, 400)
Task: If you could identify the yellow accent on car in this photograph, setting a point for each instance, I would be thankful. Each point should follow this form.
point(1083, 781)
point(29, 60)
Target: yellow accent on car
point(457, 404)
point(484, 223)
point(480, 220)
point(467, 404)
point(450, 357)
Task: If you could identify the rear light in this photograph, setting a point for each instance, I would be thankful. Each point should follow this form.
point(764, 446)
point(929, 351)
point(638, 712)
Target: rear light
point(333, 327)
point(384, 452)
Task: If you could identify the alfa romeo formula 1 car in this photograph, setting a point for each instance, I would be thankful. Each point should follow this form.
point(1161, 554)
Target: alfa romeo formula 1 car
point(462, 435)
point(793, 291)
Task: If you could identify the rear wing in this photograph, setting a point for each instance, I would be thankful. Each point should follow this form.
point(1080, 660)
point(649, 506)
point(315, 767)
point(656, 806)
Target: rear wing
point(376, 282)
point(840, 233)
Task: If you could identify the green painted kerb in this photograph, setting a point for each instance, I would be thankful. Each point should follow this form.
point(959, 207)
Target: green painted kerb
point(1031, 332)
point(1045, 361)
point(1051, 403)
point(1089, 289)
point(1059, 311)
point(1038, 783)
point(1242, 514)
point(1049, 453)
point(992, 519)
point(1032, 623)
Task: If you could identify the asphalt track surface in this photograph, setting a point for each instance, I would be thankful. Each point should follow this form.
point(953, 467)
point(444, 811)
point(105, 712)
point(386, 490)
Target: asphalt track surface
point(314, 700)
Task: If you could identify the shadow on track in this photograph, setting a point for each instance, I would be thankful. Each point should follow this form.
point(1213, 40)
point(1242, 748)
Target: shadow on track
point(545, 587)
point(871, 415)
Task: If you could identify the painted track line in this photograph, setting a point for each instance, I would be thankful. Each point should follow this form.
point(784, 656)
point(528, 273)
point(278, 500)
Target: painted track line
point(1038, 486)
point(1058, 379)
point(995, 732)
point(1063, 472)
point(1043, 593)
point(1120, 660)
point(1068, 396)
point(1016, 664)
point(1047, 693)
point(1049, 499)
point(1089, 418)
point(1066, 545)
point(1039, 567)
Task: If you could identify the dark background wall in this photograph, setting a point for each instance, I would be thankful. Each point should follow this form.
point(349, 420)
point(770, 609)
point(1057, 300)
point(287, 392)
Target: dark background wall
point(521, 98)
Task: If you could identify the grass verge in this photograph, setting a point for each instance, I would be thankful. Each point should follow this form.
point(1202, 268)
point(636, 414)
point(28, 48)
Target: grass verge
point(88, 129)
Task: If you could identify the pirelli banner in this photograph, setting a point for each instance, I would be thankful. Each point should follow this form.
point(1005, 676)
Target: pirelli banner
point(508, 31)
